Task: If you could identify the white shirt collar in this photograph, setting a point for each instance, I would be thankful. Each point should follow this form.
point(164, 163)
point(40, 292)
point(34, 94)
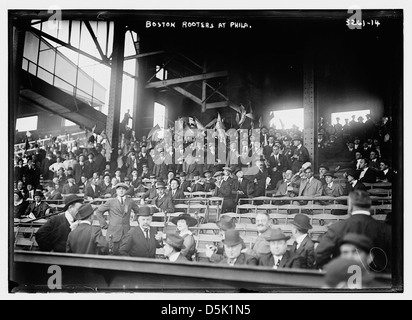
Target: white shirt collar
point(85, 222)
point(330, 184)
point(173, 257)
point(353, 182)
point(144, 233)
point(385, 171)
point(69, 217)
point(366, 213)
point(300, 239)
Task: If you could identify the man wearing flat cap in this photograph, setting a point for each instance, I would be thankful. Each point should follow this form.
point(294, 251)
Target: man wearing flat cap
point(142, 240)
point(303, 247)
point(233, 245)
point(331, 188)
point(52, 236)
point(173, 245)
point(119, 209)
point(86, 238)
point(279, 256)
point(361, 222)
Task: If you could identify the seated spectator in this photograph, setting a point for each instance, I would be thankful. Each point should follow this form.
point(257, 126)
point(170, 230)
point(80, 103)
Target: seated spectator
point(374, 160)
point(279, 256)
point(130, 190)
point(37, 208)
point(151, 192)
point(261, 245)
point(197, 185)
point(163, 201)
point(29, 194)
point(106, 186)
point(366, 174)
point(233, 244)
point(309, 187)
point(331, 188)
point(20, 205)
point(303, 245)
point(209, 182)
point(92, 191)
point(53, 192)
point(175, 192)
point(385, 173)
point(289, 186)
point(56, 166)
point(353, 182)
point(184, 184)
point(70, 187)
point(242, 187)
point(322, 170)
point(183, 222)
point(173, 246)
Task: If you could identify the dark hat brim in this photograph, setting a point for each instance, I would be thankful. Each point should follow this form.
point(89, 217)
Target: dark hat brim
point(68, 204)
point(231, 243)
point(225, 225)
point(191, 222)
point(304, 227)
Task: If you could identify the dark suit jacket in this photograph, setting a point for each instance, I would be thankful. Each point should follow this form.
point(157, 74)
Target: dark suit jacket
point(184, 186)
point(74, 189)
point(38, 211)
point(282, 189)
point(178, 195)
point(382, 176)
point(209, 185)
point(119, 217)
point(288, 261)
point(260, 187)
point(56, 195)
point(90, 193)
point(379, 232)
point(306, 252)
point(164, 204)
point(53, 235)
point(242, 260)
point(197, 187)
point(134, 244)
point(369, 177)
point(151, 193)
point(246, 186)
point(84, 239)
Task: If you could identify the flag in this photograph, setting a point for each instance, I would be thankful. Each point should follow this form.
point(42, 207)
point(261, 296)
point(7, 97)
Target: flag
point(199, 125)
point(242, 115)
point(220, 129)
point(153, 131)
point(179, 126)
point(237, 118)
point(260, 122)
point(250, 114)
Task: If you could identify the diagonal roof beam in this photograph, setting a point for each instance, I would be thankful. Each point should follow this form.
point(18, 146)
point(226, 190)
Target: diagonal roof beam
point(199, 77)
point(89, 27)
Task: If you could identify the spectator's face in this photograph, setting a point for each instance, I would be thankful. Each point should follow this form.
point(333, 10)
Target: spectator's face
point(83, 179)
point(71, 181)
point(37, 198)
point(278, 248)
point(121, 191)
point(16, 198)
point(239, 174)
point(182, 225)
point(174, 185)
point(182, 178)
point(286, 143)
point(81, 159)
point(144, 221)
point(232, 252)
point(276, 150)
point(363, 164)
point(308, 173)
point(114, 181)
point(170, 175)
point(328, 179)
point(29, 187)
point(117, 173)
point(196, 178)
point(358, 155)
point(288, 174)
point(349, 251)
point(383, 166)
point(160, 191)
point(143, 149)
point(296, 142)
point(322, 171)
point(20, 185)
point(262, 222)
point(270, 140)
point(373, 155)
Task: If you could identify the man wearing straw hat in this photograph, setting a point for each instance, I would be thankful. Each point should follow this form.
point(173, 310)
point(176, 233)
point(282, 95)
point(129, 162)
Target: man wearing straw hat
point(303, 246)
point(233, 249)
point(142, 240)
point(173, 245)
point(53, 235)
point(119, 209)
point(86, 238)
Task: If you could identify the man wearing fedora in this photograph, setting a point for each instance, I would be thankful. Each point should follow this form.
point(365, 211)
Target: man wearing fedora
point(233, 244)
point(52, 236)
point(353, 182)
point(173, 246)
point(37, 208)
point(163, 201)
point(361, 222)
point(86, 238)
point(119, 209)
point(279, 256)
point(142, 240)
point(303, 246)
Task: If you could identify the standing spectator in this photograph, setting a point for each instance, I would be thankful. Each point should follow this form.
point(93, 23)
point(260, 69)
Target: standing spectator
point(361, 222)
point(142, 240)
point(53, 235)
point(224, 190)
point(18, 170)
point(70, 162)
point(56, 166)
point(260, 180)
point(119, 208)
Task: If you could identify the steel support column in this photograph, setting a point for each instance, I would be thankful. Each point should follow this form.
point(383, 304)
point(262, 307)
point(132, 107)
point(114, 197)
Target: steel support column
point(115, 91)
point(309, 131)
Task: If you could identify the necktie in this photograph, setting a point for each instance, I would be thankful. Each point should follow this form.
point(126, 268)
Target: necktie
point(121, 200)
point(147, 235)
point(295, 247)
point(278, 263)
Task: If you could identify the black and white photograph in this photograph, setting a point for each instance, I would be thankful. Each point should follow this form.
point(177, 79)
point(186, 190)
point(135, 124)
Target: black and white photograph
point(205, 151)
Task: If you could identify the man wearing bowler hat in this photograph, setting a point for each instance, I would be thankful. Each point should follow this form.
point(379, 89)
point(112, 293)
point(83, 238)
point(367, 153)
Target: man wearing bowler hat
point(303, 246)
point(119, 209)
point(86, 238)
point(142, 240)
point(279, 256)
point(233, 244)
point(173, 245)
point(52, 236)
point(37, 208)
